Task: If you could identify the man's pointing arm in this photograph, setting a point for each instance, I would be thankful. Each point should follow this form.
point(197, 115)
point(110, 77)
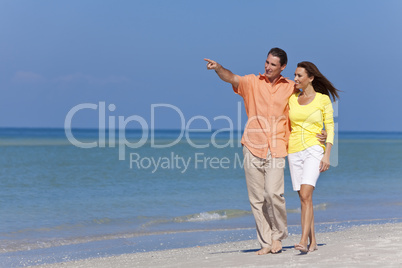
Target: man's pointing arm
point(224, 74)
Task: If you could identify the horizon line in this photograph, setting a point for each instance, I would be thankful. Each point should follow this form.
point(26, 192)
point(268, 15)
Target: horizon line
point(174, 129)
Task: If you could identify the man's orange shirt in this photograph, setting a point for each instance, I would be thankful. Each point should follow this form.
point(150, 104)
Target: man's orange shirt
point(267, 109)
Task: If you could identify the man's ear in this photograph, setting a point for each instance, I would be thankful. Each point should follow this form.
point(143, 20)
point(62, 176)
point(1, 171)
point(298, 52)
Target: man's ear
point(283, 67)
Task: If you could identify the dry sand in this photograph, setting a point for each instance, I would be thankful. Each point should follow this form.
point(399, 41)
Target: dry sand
point(360, 246)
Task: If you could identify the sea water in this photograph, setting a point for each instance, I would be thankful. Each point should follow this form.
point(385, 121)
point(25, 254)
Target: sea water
point(62, 202)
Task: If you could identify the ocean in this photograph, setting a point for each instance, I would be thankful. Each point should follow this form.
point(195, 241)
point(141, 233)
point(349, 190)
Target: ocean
point(167, 189)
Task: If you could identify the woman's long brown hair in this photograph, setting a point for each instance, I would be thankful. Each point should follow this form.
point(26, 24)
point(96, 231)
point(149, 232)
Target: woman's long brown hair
point(320, 83)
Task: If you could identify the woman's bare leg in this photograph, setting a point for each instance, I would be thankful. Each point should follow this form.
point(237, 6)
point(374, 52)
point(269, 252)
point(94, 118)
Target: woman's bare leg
point(307, 215)
point(313, 242)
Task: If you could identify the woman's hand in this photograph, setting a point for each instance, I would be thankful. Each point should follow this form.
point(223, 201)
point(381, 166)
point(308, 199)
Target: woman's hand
point(324, 164)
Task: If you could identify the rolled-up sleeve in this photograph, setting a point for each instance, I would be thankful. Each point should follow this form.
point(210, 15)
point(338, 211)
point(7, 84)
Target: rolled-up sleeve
point(244, 85)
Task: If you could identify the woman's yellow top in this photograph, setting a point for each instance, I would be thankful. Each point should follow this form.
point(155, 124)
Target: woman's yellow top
point(307, 121)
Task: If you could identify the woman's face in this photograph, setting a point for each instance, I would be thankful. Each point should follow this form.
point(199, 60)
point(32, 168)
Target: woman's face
point(301, 78)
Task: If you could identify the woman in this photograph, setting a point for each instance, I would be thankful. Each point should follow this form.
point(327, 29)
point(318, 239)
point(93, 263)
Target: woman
point(309, 110)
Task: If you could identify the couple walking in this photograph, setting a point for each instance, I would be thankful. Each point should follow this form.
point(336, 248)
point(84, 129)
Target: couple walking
point(285, 118)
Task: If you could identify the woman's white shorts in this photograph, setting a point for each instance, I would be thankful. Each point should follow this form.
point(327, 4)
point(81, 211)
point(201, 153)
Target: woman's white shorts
point(304, 166)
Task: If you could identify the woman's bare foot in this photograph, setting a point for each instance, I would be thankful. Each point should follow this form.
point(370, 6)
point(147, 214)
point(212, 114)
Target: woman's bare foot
point(301, 247)
point(263, 251)
point(276, 246)
point(312, 247)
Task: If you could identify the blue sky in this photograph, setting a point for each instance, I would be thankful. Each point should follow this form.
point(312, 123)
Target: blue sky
point(55, 55)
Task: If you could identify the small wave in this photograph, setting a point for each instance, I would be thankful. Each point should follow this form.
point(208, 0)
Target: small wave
point(322, 206)
point(212, 215)
point(63, 227)
point(205, 216)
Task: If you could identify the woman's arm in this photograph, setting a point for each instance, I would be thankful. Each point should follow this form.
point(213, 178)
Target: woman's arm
point(329, 126)
point(324, 165)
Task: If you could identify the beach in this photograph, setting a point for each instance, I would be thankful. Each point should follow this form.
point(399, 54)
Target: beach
point(359, 246)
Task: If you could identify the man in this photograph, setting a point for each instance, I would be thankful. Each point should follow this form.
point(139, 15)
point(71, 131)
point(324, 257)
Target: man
point(265, 144)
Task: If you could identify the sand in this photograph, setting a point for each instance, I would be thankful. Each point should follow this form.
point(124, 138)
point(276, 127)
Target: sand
point(360, 246)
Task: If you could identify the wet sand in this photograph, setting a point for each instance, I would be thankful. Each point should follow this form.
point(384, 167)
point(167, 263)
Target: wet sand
point(366, 245)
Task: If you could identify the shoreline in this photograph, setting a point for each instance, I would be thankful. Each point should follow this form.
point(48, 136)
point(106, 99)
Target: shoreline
point(373, 244)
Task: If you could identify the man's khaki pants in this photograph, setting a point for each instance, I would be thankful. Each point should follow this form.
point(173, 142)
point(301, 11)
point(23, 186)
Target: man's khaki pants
point(265, 185)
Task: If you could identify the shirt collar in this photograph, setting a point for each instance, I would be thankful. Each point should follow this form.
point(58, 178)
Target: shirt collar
point(281, 78)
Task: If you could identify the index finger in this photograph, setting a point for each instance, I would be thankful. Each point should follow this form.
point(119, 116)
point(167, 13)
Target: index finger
point(208, 60)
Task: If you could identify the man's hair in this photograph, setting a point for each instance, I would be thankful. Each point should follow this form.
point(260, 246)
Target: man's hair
point(280, 53)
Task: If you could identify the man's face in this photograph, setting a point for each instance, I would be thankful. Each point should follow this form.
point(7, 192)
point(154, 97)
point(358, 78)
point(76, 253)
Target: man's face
point(273, 67)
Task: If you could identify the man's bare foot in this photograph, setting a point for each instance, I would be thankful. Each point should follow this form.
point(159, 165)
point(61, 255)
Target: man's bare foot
point(263, 251)
point(276, 246)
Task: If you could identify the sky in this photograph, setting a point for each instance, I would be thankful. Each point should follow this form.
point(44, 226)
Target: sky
point(137, 64)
